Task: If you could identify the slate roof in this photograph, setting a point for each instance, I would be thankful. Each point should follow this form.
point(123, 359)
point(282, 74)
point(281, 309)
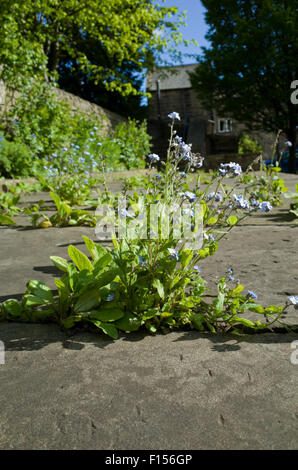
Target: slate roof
point(170, 81)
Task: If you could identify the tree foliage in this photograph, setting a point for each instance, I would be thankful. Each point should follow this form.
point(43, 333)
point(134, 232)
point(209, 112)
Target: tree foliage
point(248, 70)
point(95, 41)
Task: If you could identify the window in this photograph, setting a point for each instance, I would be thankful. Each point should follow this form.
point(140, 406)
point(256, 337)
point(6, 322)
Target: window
point(224, 125)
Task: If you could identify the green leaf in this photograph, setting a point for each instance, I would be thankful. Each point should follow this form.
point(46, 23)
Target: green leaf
point(87, 301)
point(150, 313)
point(31, 300)
point(204, 252)
point(107, 314)
point(232, 220)
point(106, 277)
point(107, 328)
point(212, 220)
point(40, 290)
point(103, 261)
point(128, 323)
point(185, 257)
point(160, 288)
point(273, 309)
point(13, 307)
point(258, 309)
point(91, 247)
point(219, 303)
point(237, 290)
point(198, 321)
point(245, 322)
point(79, 259)
point(61, 263)
point(6, 220)
point(56, 200)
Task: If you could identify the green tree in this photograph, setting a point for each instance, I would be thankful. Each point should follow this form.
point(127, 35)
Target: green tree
point(128, 34)
point(248, 70)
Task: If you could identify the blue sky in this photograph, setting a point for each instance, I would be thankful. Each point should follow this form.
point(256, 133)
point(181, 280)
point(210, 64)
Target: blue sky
point(196, 26)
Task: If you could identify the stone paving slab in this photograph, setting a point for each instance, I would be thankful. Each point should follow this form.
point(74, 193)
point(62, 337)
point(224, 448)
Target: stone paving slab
point(180, 391)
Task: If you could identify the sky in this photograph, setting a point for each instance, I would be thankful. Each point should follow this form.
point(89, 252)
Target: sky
point(196, 26)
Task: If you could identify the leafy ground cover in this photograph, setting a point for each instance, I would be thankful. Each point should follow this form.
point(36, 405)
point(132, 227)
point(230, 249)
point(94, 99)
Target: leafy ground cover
point(154, 281)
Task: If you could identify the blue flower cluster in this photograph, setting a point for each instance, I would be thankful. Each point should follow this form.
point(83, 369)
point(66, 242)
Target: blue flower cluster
point(174, 254)
point(230, 168)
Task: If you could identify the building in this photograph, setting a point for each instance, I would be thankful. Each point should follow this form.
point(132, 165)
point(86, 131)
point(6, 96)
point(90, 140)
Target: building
point(210, 134)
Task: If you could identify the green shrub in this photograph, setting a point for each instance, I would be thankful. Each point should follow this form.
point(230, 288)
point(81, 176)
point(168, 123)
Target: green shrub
point(128, 146)
point(15, 160)
point(247, 145)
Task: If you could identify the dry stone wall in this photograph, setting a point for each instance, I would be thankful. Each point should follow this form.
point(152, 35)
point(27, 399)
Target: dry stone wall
point(108, 118)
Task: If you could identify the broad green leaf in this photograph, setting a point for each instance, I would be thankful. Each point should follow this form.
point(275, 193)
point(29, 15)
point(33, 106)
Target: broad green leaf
point(56, 200)
point(160, 288)
point(107, 314)
point(106, 277)
point(13, 307)
point(103, 261)
point(91, 247)
point(107, 328)
point(61, 263)
point(40, 290)
point(185, 257)
point(79, 259)
point(32, 300)
point(87, 301)
point(6, 220)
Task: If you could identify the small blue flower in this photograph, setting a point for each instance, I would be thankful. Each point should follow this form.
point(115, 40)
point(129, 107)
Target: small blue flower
point(240, 202)
point(110, 297)
point(174, 116)
point(190, 196)
point(265, 206)
point(153, 157)
point(124, 213)
point(294, 299)
point(142, 262)
point(251, 295)
point(158, 177)
point(231, 167)
point(216, 196)
point(174, 254)
point(197, 268)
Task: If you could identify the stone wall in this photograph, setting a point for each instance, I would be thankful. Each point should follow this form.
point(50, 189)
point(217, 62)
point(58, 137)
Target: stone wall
point(108, 118)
